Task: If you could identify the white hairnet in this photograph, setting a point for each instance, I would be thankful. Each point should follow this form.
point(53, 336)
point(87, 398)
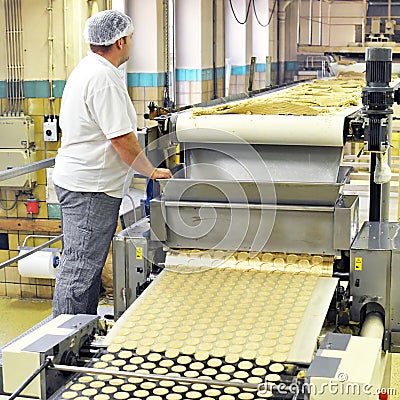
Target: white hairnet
point(106, 27)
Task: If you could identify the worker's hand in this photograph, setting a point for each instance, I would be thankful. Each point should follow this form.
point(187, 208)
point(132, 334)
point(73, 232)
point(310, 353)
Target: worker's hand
point(161, 173)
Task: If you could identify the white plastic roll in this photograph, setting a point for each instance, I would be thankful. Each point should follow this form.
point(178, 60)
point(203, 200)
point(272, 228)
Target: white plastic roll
point(321, 130)
point(42, 264)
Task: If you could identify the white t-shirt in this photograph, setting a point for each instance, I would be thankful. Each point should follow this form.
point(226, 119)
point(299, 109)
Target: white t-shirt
point(95, 108)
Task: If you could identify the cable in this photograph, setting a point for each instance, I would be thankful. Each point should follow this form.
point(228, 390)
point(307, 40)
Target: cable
point(5, 208)
point(270, 16)
point(247, 12)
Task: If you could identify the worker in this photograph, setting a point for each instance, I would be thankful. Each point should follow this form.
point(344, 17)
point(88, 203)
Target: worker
point(96, 161)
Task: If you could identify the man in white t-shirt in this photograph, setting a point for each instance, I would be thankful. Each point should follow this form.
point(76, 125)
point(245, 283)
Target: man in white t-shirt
point(95, 163)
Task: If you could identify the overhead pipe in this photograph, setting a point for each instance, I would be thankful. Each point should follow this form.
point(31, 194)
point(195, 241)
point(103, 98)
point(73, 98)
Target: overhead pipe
point(214, 51)
point(298, 21)
point(50, 39)
point(14, 57)
point(66, 44)
point(320, 24)
point(310, 15)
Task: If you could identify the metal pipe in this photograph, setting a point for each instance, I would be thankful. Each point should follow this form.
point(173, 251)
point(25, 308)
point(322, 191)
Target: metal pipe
point(20, 50)
point(298, 21)
point(157, 377)
point(320, 24)
point(268, 71)
point(373, 326)
point(28, 253)
point(26, 169)
point(374, 193)
point(364, 24)
point(66, 44)
point(251, 74)
point(310, 13)
point(214, 49)
point(50, 39)
point(385, 207)
point(36, 236)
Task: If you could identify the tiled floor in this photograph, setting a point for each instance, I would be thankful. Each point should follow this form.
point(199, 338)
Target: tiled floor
point(19, 315)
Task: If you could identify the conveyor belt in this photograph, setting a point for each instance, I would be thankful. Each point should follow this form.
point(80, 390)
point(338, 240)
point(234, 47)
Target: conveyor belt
point(198, 366)
point(231, 308)
point(244, 319)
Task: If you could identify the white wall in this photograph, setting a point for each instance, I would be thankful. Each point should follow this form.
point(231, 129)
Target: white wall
point(148, 36)
point(260, 35)
point(188, 34)
point(338, 22)
point(236, 38)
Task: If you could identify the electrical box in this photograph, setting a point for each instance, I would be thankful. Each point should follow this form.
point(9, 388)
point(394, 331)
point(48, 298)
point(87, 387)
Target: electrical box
point(50, 128)
point(11, 158)
point(16, 132)
point(17, 148)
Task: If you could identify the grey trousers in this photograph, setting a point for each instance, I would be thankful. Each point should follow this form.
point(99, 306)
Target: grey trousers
point(89, 221)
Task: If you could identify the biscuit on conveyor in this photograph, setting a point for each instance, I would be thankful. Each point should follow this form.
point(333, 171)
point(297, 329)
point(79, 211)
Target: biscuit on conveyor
point(77, 387)
point(89, 392)
point(160, 391)
point(174, 396)
point(85, 379)
point(128, 387)
point(101, 396)
point(140, 393)
point(246, 396)
point(97, 384)
point(114, 348)
point(107, 357)
point(180, 389)
point(109, 389)
point(227, 369)
point(160, 371)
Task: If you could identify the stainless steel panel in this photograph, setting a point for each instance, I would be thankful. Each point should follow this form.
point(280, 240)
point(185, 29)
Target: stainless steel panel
point(394, 310)
point(250, 227)
point(346, 222)
point(158, 225)
point(378, 236)
point(290, 193)
point(370, 266)
point(119, 275)
point(262, 163)
point(130, 267)
point(369, 277)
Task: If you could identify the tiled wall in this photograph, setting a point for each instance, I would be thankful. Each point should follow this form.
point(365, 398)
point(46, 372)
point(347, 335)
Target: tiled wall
point(141, 97)
point(197, 85)
point(193, 86)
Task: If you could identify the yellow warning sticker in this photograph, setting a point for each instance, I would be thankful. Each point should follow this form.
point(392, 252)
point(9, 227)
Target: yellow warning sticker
point(139, 253)
point(358, 264)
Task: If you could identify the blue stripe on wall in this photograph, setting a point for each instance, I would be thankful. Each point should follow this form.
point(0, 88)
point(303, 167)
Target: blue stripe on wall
point(36, 89)
point(3, 89)
point(40, 89)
